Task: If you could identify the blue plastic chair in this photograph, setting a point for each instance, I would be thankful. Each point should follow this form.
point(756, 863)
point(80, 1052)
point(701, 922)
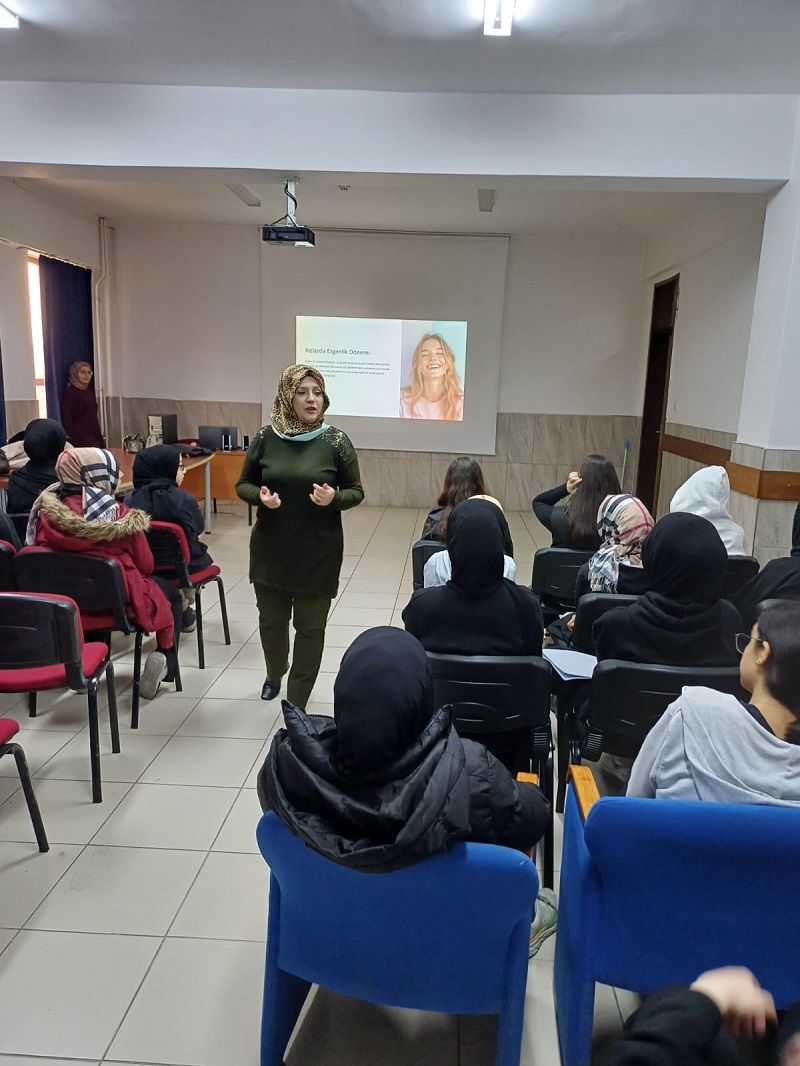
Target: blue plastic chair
point(449, 934)
point(654, 892)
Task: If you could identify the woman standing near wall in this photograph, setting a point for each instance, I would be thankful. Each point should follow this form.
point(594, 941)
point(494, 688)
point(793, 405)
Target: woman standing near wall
point(301, 474)
point(79, 409)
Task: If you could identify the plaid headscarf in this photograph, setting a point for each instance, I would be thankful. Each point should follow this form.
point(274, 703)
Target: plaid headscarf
point(623, 522)
point(96, 471)
point(282, 415)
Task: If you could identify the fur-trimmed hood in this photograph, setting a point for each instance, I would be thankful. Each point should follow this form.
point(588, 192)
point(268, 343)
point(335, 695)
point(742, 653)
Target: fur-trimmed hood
point(66, 520)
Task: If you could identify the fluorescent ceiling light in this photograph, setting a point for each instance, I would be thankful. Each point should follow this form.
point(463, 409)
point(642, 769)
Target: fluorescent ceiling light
point(8, 21)
point(497, 17)
point(246, 195)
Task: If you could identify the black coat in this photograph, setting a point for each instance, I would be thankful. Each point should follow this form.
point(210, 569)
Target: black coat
point(682, 620)
point(441, 789)
point(44, 441)
point(478, 612)
point(779, 580)
point(430, 531)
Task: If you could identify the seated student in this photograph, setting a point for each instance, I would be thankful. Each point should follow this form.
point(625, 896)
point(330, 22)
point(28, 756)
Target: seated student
point(82, 516)
point(779, 580)
point(713, 1021)
point(575, 524)
point(478, 611)
point(157, 475)
point(707, 493)
point(387, 782)
point(43, 442)
point(711, 746)
point(8, 533)
point(464, 478)
point(682, 620)
point(438, 569)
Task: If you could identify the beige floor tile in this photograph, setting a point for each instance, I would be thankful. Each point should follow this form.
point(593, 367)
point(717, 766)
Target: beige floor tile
point(217, 655)
point(339, 1029)
point(24, 1060)
point(236, 684)
point(39, 745)
point(239, 831)
point(323, 688)
point(222, 762)
point(6, 936)
point(214, 1021)
point(242, 719)
point(374, 600)
point(361, 616)
point(168, 816)
point(210, 912)
point(27, 875)
point(196, 682)
point(250, 657)
point(69, 815)
point(119, 890)
point(341, 636)
point(64, 993)
point(159, 717)
point(240, 632)
point(365, 584)
point(72, 763)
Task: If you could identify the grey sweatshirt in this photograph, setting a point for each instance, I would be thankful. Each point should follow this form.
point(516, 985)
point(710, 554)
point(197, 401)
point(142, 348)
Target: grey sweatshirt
point(707, 746)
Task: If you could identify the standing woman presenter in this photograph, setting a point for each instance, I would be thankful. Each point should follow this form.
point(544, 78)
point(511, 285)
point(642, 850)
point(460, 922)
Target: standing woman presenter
point(301, 474)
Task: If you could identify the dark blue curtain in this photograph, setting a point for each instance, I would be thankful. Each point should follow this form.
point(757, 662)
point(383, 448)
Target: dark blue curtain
point(2, 402)
point(66, 324)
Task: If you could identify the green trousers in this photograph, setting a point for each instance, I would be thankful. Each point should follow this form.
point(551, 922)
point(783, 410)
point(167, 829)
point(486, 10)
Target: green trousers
point(309, 613)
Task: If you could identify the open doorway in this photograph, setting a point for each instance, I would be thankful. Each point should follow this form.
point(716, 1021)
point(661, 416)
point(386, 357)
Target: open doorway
point(654, 410)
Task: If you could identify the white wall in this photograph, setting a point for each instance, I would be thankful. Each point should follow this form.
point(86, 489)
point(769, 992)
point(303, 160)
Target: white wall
point(571, 342)
point(717, 257)
point(189, 311)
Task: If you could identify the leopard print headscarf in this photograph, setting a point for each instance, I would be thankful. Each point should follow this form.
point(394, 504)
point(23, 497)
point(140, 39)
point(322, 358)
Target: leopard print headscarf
point(282, 415)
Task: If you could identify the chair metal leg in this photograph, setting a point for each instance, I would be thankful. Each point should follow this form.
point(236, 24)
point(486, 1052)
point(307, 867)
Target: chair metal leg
point(30, 795)
point(223, 607)
point(94, 742)
point(111, 688)
point(178, 682)
point(137, 670)
point(562, 718)
point(198, 611)
point(31, 704)
point(548, 846)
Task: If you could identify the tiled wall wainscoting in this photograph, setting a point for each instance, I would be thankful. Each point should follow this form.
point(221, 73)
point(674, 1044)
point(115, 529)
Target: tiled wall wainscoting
point(19, 413)
point(675, 469)
point(191, 414)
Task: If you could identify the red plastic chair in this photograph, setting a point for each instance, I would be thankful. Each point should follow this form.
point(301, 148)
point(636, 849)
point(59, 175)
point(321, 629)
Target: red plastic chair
point(98, 588)
point(171, 553)
point(41, 648)
point(8, 729)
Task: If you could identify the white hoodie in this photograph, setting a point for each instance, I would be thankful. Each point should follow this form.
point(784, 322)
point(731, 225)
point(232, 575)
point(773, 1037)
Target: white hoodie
point(707, 746)
point(708, 494)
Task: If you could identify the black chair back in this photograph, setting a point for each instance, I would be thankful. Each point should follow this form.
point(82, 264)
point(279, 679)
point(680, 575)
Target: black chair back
point(741, 568)
point(497, 694)
point(96, 585)
point(170, 549)
point(627, 699)
point(39, 631)
point(555, 575)
point(420, 553)
point(590, 608)
point(7, 581)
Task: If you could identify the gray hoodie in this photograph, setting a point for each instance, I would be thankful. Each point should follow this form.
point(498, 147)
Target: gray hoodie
point(707, 746)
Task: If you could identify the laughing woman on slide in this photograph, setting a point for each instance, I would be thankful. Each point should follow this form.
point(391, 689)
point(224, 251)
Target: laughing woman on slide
point(301, 474)
point(434, 387)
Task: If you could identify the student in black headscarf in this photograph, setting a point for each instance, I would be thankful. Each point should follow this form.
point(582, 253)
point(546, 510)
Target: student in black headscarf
point(478, 611)
point(683, 620)
point(387, 782)
point(157, 475)
point(43, 442)
point(779, 580)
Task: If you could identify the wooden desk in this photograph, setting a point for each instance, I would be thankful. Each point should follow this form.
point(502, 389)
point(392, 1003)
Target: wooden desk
point(226, 468)
point(200, 467)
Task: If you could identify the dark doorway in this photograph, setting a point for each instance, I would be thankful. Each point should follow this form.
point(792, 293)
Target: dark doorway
point(654, 411)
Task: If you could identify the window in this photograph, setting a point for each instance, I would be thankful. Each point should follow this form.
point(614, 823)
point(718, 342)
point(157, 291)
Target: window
point(35, 298)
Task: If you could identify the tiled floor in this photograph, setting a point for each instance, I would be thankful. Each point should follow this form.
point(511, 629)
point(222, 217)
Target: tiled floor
point(139, 938)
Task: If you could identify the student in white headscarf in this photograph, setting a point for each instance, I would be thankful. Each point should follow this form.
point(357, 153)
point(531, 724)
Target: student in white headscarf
point(708, 494)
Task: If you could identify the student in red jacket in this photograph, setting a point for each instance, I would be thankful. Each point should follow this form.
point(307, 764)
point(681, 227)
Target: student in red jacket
point(80, 514)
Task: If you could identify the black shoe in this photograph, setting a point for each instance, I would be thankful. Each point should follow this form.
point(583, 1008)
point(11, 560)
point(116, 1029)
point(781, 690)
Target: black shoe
point(188, 621)
point(270, 689)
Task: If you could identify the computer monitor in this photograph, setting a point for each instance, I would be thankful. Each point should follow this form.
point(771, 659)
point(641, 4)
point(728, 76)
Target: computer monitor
point(211, 436)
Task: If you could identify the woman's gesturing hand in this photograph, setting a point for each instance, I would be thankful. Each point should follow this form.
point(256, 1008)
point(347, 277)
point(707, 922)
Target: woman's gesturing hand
point(269, 499)
point(322, 495)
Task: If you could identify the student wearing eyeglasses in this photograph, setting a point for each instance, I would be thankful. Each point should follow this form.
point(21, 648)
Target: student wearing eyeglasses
point(712, 746)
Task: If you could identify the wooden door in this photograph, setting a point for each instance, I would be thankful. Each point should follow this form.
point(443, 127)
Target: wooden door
point(654, 410)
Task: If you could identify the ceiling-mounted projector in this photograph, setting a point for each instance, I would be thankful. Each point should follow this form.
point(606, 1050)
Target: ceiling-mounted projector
point(301, 236)
point(287, 230)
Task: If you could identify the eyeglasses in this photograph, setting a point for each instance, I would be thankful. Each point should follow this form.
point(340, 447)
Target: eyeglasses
point(743, 639)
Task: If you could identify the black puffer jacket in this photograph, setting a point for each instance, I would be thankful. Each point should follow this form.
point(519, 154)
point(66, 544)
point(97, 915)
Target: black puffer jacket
point(373, 789)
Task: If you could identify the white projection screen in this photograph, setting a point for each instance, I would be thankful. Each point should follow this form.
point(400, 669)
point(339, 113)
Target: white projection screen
point(362, 306)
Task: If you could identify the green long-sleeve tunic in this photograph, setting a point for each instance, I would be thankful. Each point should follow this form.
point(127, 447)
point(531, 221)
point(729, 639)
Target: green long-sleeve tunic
point(298, 546)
